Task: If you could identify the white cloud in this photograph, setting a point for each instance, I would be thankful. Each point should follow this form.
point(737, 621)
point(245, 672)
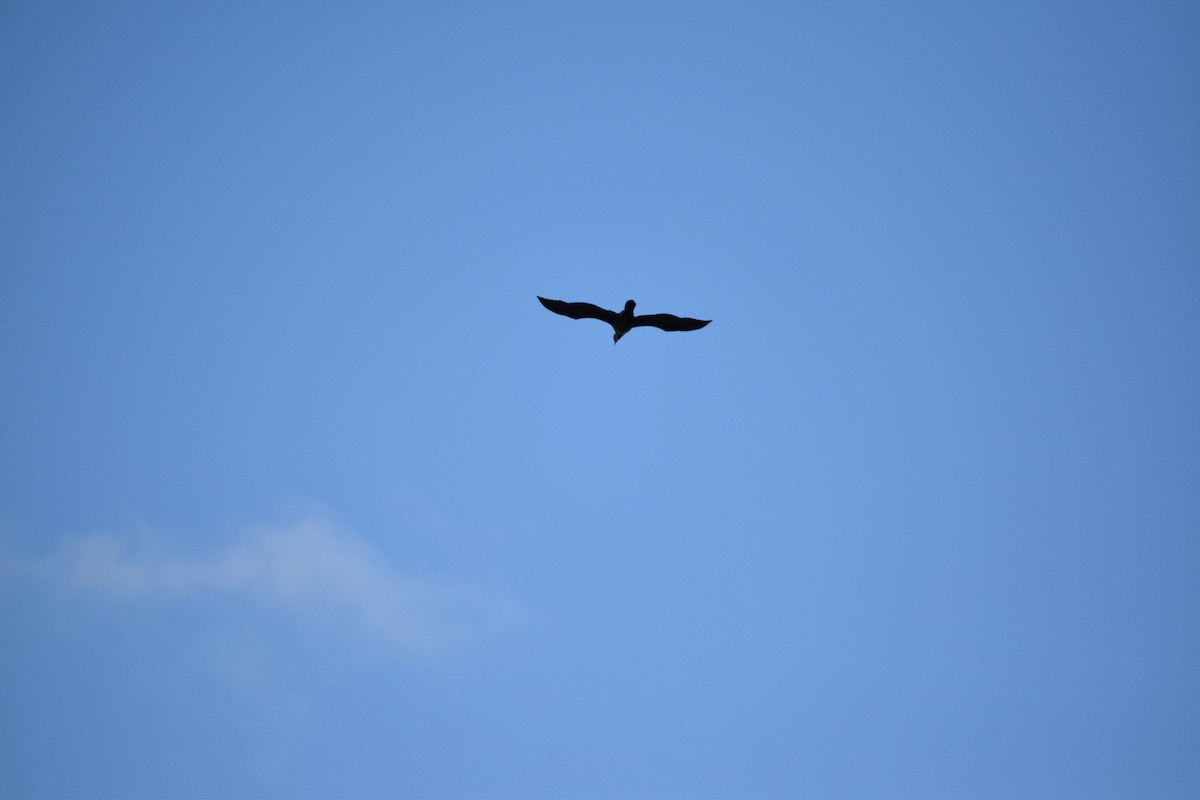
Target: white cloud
point(313, 569)
point(266, 635)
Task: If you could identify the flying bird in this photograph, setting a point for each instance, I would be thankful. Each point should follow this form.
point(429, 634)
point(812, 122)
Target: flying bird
point(625, 321)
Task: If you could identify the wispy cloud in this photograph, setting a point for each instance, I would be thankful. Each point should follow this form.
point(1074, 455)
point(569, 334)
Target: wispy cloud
point(313, 568)
point(271, 628)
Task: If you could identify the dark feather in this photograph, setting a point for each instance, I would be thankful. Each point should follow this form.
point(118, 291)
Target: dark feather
point(670, 322)
point(580, 310)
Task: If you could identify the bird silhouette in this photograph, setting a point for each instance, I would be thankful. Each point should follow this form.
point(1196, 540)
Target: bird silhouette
point(624, 321)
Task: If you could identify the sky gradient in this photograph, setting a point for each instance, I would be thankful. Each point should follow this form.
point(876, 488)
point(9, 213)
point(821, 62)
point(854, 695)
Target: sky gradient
point(304, 495)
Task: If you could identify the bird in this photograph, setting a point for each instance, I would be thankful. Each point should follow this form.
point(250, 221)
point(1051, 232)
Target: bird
point(625, 321)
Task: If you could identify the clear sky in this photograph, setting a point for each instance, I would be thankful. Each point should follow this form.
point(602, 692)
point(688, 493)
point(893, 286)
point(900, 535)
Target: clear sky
point(304, 495)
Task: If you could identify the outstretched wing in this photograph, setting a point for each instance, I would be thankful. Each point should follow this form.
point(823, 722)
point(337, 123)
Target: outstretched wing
point(580, 310)
point(670, 322)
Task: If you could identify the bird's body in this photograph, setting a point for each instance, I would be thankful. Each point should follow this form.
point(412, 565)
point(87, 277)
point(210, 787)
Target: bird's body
point(624, 321)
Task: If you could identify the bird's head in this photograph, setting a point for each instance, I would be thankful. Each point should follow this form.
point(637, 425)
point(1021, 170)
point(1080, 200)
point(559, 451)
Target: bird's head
point(629, 304)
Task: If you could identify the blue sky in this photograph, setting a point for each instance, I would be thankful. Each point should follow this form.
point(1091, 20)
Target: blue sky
point(304, 495)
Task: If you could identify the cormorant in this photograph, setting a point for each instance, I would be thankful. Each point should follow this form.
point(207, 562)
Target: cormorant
point(624, 321)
